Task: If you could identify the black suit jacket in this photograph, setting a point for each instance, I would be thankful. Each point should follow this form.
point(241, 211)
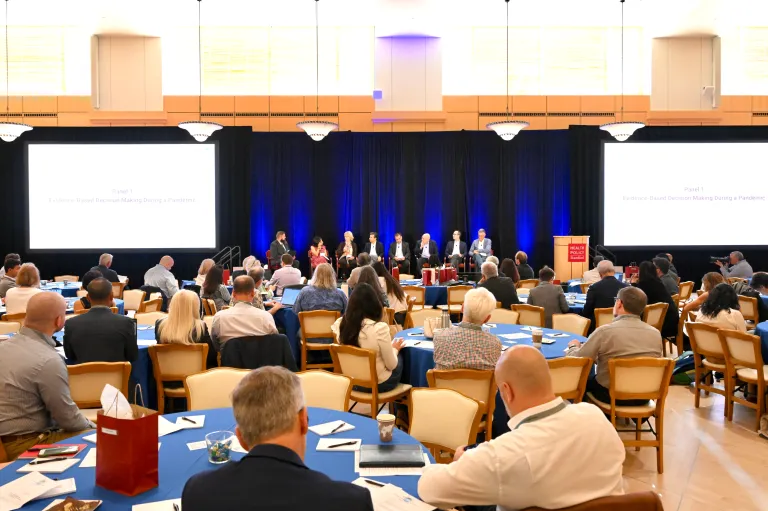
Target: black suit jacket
point(657, 293)
point(109, 274)
point(271, 477)
point(503, 289)
point(340, 249)
point(432, 248)
point(100, 336)
point(406, 250)
point(526, 272)
point(254, 352)
point(379, 248)
point(450, 245)
point(276, 251)
point(601, 295)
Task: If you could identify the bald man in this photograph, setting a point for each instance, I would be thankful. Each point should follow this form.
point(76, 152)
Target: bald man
point(555, 456)
point(35, 403)
point(160, 276)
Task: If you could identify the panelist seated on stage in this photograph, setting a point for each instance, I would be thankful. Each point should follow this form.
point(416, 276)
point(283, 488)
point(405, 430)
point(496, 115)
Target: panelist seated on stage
point(456, 250)
point(160, 276)
point(363, 260)
point(738, 267)
point(287, 275)
point(374, 247)
point(35, 402)
point(27, 285)
point(318, 253)
point(105, 268)
point(100, 335)
point(272, 424)
point(426, 253)
point(592, 276)
point(346, 253)
point(502, 288)
point(243, 319)
point(480, 249)
point(278, 248)
point(8, 280)
point(523, 268)
point(602, 295)
point(400, 254)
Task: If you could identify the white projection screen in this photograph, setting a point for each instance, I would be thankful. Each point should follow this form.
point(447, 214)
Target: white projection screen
point(684, 194)
point(85, 196)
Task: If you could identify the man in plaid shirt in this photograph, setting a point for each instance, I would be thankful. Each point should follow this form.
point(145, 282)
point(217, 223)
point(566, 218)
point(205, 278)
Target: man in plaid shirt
point(467, 346)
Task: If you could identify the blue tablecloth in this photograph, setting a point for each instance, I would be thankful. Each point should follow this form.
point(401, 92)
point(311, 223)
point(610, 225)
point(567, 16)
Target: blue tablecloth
point(70, 301)
point(68, 291)
point(762, 331)
point(418, 360)
point(185, 283)
point(434, 295)
point(575, 302)
point(177, 463)
point(574, 284)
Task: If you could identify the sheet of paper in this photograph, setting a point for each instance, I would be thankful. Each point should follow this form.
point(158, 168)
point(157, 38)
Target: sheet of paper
point(324, 444)
point(199, 421)
point(114, 403)
point(166, 427)
point(62, 488)
point(392, 498)
point(194, 446)
point(60, 351)
point(557, 335)
point(53, 467)
point(163, 505)
point(518, 335)
point(90, 438)
point(236, 447)
point(59, 501)
point(15, 494)
point(389, 471)
point(145, 327)
point(325, 429)
point(491, 325)
point(411, 343)
point(149, 342)
point(527, 328)
point(90, 459)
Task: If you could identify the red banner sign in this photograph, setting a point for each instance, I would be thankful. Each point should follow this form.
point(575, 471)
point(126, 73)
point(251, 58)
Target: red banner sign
point(577, 252)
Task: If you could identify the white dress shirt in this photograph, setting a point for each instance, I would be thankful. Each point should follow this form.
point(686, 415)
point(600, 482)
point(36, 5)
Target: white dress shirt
point(16, 299)
point(159, 276)
point(242, 320)
point(456, 246)
point(425, 251)
point(399, 250)
point(373, 253)
point(557, 461)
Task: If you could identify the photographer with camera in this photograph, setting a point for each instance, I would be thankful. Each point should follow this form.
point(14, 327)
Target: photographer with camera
point(739, 267)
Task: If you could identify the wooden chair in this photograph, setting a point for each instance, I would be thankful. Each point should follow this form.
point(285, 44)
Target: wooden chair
point(455, 299)
point(505, 316)
point(389, 313)
point(3, 454)
point(418, 293)
point(406, 276)
point(117, 289)
point(209, 307)
point(572, 323)
point(744, 362)
point(584, 287)
point(708, 358)
point(676, 299)
point(81, 293)
point(18, 317)
point(326, 390)
point(316, 325)
point(415, 319)
point(151, 305)
point(528, 284)
point(68, 278)
point(9, 327)
point(569, 376)
point(212, 388)
point(748, 307)
point(149, 318)
point(473, 383)
point(87, 381)
point(360, 366)
point(208, 320)
point(530, 315)
point(686, 290)
point(133, 299)
point(174, 362)
point(654, 314)
point(677, 340)
point(733, 280)
point(638, 501)
point(443, 420)
point(603, 316)
point(639, 378)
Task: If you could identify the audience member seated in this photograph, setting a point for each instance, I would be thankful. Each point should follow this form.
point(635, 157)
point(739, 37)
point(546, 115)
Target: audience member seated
point(480, 248)
point(541, 461)
point(184, 326)
point(363, 260)
point(602, 294)
point(8, 280)
point(318, 253)
point(84, 302)
point(494, 260)
point(759, 287)
point(214, 289)
point(105, 268)
point(456, 250)
point(346, 253)
point(523, 268)
point(249, 263)
point(648, 281)
point(8, 256)
point(400, 253)
point(287, 275)
point(205, 267)
point(592, 276)
point(374, 248)
point(667, 278)
point(35, 403)
point(100, 335)
point(502, 288)
point(272, 424)
point(739, 267)
point(27, 285)
point(708, 283)
point(279, 248)
point(242, 320)
point(368, 276)
point(721, 309)
point(160, 276)
point(668, 257)
point(467, 346)
point(628, 336)
point(361, 326)
point(509, 269)
point(396, 297)
point(262, 296)
point(426, 253)
point(548, 296)
point(321, 293)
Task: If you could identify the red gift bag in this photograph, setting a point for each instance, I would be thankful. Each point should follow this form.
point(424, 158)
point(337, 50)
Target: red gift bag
point(396, 272)
point(126, 458)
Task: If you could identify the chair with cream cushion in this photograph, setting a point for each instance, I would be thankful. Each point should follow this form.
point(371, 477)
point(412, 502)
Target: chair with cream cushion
point(174, 362)
point(418, 293)
point(209, 307)
point(151, 305)
point(149, 318)
point(505, 316)
point(708, 358)
point(18, 317)
point(443, 420)
point(748, 308)
point(530, 315)
point(654, 314)
point(326, 390)
point(603, 316)
point(528, 284)
point(316, 325)
point(9, 327)
point(569, 376)
point(572, 323)
point(416, 318)
point(455, 298)
point(685, 291)
point(81, 293)
point(117, 289)
point(744, 361)
point(68, 278)
point(360, 366)
point(208, 320)
point(133, 299)
point(637, 501)
point(476, 384)
point(212, 388)
point(87, 381)
point(639, 378)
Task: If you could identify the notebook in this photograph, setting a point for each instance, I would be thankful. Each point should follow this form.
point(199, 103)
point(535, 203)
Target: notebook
point(373, 456)
point(289, 297)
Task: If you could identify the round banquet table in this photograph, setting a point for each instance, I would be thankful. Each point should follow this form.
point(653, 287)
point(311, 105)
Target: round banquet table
point(120, 304)
point(433, 295)
point(575, 301)
point(762, 331)
point(177, 463)
point(417, 360)
point(67, 291)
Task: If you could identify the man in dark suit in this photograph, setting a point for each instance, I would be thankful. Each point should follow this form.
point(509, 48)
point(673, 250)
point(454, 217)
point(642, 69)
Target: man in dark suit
point(400, 253)
point(602, 294)
point(104, 267)
point(374, 247)
point(99, 335)
point(502, 288)
point(272, 424)
point(279, 247)
point(426, 252)
point(456, 250)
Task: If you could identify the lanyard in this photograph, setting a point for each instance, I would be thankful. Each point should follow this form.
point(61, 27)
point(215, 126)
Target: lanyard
point(543, 415)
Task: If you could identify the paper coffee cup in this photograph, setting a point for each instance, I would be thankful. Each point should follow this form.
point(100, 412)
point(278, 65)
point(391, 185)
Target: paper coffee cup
point(386, 426)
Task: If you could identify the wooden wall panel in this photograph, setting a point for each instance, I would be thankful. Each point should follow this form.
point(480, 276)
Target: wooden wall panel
point(180, 103)
point(562, 123)
point(39, 104)
point(382, 127)
point(493, 104)
point(74, 119)
point(529, 104)
point(357, 104)
point(258, 104)
point(461, 104)
point(256, 123)
point(735, 119)
point(41, 121)
point(633, 103)
point(284, 123)
point(224, 121)
point(216, 104)
point(563, 104)
point(73, 104)
point(354, 121)
point(174, 118)
point(16, 104)
point(327, 104)
point(736, 103)
point(286, 104)
point(759, 103)
point(409, 126)
point(597, 104)
point(461, 121)
point(759, 121)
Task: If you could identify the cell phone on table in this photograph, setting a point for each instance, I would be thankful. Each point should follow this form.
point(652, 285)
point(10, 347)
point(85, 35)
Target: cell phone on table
point(57, 451)
point(547, 341)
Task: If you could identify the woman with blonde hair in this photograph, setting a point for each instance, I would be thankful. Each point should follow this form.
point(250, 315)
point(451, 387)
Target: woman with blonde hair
point(321, 293)
point(183, 324)
point(205, 266)
point(27, 285)
point(249, 263)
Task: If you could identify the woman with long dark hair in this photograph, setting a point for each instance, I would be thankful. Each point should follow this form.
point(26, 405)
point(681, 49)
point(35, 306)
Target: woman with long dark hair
point(318, 253)
point(721, 309)
point(398, 300)
point(361, 327)
point(649, 282)
point(368, 275)
point(214, 288)
point(509, 269)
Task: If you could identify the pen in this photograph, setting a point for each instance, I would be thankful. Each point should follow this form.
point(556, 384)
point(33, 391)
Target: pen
point(353, 442)
point(338, 428)
point(175, 507)
point(374, 483)
point(46, 460)
point(417, 343)
point(189, 420)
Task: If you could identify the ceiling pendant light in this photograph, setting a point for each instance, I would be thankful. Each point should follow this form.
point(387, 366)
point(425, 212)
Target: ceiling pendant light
point(199, 129)
point(622, 130)
point(9, 131)
point(317, 130)
point(509, 128)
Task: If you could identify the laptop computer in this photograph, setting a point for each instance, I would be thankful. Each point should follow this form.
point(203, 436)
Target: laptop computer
point(289, 297)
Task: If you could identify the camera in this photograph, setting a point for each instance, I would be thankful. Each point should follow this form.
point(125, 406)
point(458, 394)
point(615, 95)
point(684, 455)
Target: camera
point(713, 259)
